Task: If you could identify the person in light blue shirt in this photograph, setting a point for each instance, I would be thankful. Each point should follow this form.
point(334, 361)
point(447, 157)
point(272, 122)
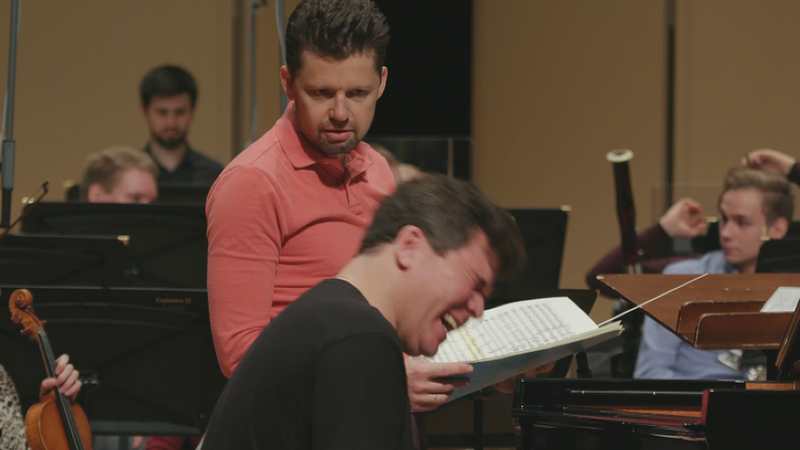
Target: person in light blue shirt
point(662, 355)
point(753, 204)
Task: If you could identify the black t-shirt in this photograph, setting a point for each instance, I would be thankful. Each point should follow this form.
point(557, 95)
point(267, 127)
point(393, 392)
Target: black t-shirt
point(195, 169)
point(327, 373)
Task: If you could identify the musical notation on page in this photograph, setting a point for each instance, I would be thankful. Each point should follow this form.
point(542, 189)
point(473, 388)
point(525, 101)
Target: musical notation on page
point(517, 337)
point(514, 328)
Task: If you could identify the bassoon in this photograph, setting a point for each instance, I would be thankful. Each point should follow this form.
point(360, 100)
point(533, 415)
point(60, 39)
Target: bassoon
point(626, 212)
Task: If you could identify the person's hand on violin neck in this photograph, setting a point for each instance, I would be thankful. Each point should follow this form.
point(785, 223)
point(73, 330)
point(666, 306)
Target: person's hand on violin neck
point(66, 379)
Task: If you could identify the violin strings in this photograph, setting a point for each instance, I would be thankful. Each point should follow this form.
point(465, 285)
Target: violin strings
point(67, 420)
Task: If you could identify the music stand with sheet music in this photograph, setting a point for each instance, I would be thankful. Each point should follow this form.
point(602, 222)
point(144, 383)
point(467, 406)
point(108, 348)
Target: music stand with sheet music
point(146, 354)
point(168, 244)
point(183, 193)
point(544, 232)
point(62, 260)
point(712, 312)
point(585, 299)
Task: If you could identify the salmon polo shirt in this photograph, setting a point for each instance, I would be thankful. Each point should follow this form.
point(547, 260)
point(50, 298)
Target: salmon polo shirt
point(281, 218)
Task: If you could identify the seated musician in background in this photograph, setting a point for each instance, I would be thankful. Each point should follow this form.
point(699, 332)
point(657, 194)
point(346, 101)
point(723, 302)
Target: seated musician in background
point(328, 372)
point(401, 172)
point(120, 175)
point(168, 98)
point(12, 424)
point(684, 220)
point(754, 204)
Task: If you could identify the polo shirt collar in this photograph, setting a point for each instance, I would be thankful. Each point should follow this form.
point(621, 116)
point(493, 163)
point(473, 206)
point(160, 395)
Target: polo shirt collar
point(301, 153)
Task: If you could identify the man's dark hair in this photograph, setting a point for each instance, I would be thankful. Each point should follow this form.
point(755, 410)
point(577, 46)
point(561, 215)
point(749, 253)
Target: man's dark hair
point(336, 29)
point(449, 212)
point(167, 81)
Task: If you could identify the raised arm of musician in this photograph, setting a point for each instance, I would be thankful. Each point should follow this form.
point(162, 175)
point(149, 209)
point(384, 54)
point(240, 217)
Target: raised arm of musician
point(66, 379)
point(684, 219)
point(772, 161)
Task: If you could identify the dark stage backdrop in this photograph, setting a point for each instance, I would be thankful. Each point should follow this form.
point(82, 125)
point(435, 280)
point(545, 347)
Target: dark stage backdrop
point(430, 66)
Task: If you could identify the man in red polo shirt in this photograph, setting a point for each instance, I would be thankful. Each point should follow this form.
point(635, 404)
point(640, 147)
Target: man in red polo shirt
point(292, 208)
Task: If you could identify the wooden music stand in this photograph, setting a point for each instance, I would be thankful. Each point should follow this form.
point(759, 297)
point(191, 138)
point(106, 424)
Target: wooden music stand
point(716, 312)
point(788, 361)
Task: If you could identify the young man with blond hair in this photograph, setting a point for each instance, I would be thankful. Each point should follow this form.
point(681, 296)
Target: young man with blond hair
point(120, 175)
point(753, 205)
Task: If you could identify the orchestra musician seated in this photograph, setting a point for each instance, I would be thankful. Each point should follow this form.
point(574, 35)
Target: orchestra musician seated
point(12, 424)
point(168, 97)
point(120, 175)
point(754, 204)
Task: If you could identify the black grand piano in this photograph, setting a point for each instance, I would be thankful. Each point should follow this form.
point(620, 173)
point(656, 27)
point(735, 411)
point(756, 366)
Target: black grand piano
point(655, 414)
point(677, 414)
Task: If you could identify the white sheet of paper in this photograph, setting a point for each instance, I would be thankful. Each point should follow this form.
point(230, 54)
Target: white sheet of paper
point(514, 328)
point(783, 300)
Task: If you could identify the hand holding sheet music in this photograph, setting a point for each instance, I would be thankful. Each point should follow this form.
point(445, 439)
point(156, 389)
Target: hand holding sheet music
point(518, 337)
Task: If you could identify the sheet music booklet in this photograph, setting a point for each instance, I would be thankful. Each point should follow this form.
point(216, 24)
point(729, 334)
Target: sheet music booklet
point(518, 337)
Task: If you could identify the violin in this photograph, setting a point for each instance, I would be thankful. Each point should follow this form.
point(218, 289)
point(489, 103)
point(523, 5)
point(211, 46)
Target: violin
point(55, 423)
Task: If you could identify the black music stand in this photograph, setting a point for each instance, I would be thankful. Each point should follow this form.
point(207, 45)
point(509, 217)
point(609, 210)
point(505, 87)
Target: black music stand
point(779, 256)
point(183, 193)
point(168, 244)
point(710, 240)
point(62, 260)
point(544, 233)
point(146, 356)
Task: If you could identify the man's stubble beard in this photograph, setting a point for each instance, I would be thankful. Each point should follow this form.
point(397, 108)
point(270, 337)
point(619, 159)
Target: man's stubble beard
point(334, 150)
point(169, 144)
point(328, 150)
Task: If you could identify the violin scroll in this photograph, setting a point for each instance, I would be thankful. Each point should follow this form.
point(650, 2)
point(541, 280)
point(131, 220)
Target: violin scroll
point(20, 303)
